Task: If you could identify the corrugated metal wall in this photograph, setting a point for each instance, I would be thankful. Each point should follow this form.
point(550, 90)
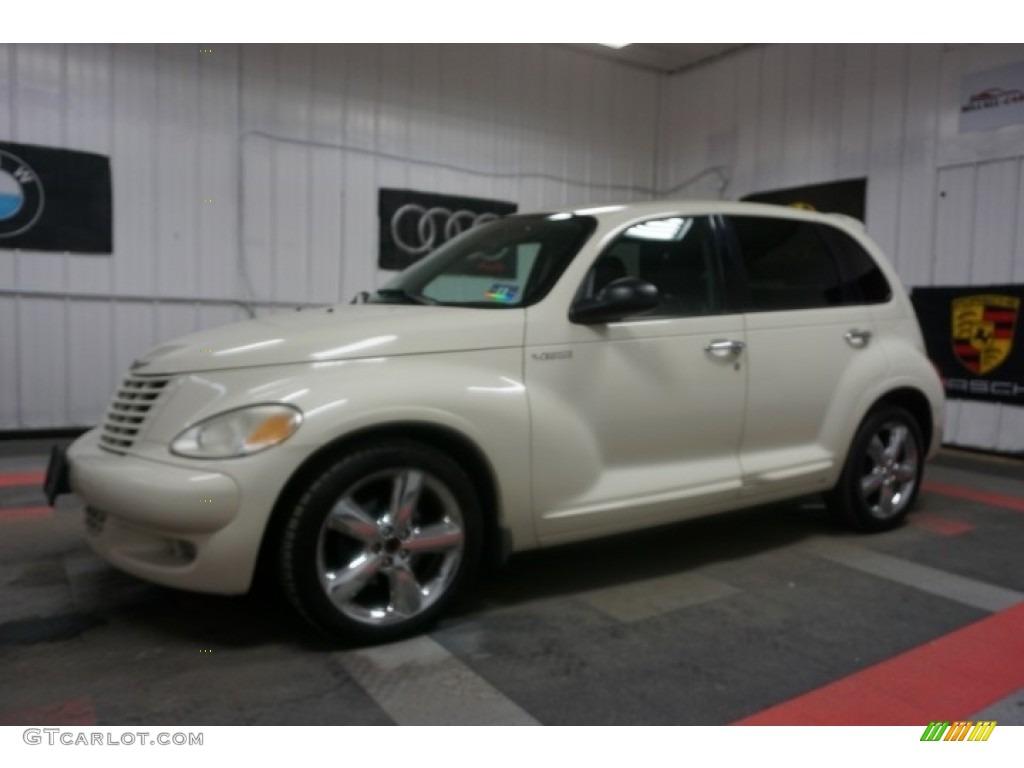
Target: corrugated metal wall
point(947, 207)
point(290, 143)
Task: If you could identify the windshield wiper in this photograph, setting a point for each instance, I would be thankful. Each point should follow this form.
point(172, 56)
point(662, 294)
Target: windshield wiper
point(406, 297)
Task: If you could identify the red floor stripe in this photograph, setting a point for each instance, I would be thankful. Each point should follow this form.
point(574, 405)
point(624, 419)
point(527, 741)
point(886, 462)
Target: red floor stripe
point(24, 513)
point(973, 494)
point(950, 678)
point(70, 712)
point(21, 478)
point(940, 525)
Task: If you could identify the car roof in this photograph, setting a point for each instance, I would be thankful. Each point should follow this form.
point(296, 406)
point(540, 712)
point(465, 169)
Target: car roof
point(613, 214)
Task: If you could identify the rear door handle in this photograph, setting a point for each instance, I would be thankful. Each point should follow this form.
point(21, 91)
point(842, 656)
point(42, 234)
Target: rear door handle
point(857, 338)
point(724, 347)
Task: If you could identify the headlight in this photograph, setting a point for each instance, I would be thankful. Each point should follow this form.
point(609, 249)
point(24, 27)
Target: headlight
point(238, 433)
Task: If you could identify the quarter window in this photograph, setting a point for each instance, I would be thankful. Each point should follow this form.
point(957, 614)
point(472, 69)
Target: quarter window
point(865, 282)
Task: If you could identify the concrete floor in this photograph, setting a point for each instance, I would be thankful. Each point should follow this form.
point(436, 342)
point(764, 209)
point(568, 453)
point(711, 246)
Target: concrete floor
point(771, 615)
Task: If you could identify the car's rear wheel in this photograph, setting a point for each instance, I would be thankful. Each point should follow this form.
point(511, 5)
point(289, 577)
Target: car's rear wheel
point(381, 542)
point(883, 471)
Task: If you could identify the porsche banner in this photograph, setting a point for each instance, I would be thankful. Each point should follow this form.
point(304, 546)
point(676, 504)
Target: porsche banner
point(974, 337)
point(54, 200)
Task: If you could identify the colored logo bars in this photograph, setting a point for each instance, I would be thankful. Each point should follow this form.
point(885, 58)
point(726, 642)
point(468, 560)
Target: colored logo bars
point(959, 731)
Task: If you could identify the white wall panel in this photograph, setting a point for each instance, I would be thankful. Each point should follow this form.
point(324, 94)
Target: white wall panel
point(748, 127)
point(7, 89)
point(10, 399)
point(798, 122)
point(263, 162)
point(8, 104)
point(174, 320)
point(289, 202)
point(946, 206)
point(917, 200)
point(855, 126)
point(995, 210)
point(826, 112)
point(769, 172)
point(257, 195)
point(91, 371)
point(954, 225)
point(325, 221)
point(885, 143)
point(135, 332)
point(42, 364)
point(38, 73)
point(218, 177)
point(133, 170)
point(88, 127)
point(177, 179)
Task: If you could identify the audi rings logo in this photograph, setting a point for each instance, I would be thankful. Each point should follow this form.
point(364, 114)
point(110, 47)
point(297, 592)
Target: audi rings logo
point(413, 223)
point(21, 195)
point(432, 226)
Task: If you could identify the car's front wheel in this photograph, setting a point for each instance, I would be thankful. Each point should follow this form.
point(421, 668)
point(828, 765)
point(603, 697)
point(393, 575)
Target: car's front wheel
point(883, 471)
point(381, 542)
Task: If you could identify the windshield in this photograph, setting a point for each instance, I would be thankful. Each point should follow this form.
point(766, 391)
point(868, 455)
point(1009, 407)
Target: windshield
point(511, 262)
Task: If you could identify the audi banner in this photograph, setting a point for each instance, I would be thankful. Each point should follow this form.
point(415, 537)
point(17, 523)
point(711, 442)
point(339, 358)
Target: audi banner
point(412, 224)
point(54, 200)
point(974, 338)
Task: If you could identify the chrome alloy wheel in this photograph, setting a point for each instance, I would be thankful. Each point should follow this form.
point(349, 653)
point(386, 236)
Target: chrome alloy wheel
point(891, 470)
point(390, 547)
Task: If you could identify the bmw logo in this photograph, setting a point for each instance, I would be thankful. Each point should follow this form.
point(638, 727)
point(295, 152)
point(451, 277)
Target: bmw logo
point(21, 195)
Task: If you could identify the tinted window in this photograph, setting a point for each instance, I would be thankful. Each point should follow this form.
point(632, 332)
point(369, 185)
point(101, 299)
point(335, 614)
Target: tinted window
point(676, 254)
point(787, 263)
point(864, 281)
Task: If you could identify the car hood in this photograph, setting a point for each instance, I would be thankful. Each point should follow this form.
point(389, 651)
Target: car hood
point(337, 333)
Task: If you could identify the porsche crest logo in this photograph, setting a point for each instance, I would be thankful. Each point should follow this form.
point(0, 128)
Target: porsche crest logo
point(983, 330)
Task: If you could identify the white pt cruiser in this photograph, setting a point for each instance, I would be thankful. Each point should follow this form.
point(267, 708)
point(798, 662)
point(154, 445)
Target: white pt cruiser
point(539, 379)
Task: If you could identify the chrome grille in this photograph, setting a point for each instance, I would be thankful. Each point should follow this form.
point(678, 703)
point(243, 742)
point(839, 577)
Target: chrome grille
point(128, 411)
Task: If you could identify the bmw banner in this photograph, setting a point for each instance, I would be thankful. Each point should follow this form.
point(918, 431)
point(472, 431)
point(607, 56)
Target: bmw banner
point(412, 224)
point(54, 200)
point(974, 337)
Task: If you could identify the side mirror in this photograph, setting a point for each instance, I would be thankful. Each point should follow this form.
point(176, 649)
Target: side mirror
point(617, 300)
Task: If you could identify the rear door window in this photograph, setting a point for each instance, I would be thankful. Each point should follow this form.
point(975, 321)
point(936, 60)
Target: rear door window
point(793, 264)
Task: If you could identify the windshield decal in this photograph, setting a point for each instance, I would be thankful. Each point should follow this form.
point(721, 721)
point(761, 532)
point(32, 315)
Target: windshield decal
point(504, 292)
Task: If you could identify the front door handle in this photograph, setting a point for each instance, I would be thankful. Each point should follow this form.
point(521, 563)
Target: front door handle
point(724, 347)
point(857, 338)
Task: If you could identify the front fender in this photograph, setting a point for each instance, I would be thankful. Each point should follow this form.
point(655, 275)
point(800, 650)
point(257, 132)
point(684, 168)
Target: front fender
point(478, 394)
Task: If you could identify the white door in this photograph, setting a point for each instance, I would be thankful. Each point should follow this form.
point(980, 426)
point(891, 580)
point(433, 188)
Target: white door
point(810, 349)
point(639, 421)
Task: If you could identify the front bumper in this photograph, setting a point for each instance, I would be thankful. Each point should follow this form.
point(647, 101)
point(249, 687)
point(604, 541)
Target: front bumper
point(181, 526)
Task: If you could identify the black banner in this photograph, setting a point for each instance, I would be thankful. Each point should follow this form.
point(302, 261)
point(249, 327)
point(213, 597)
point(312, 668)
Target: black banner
point(54, 200)
point(412, 224)
point(973, 335)
point(849, 197)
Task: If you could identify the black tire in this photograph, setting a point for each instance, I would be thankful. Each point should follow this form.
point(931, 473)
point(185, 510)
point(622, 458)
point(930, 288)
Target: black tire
point(883, 472)
point(392, 531)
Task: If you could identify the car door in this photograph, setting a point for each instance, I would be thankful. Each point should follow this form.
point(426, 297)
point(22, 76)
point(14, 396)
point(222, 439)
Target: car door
point(809, 351)
point(638, 421)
